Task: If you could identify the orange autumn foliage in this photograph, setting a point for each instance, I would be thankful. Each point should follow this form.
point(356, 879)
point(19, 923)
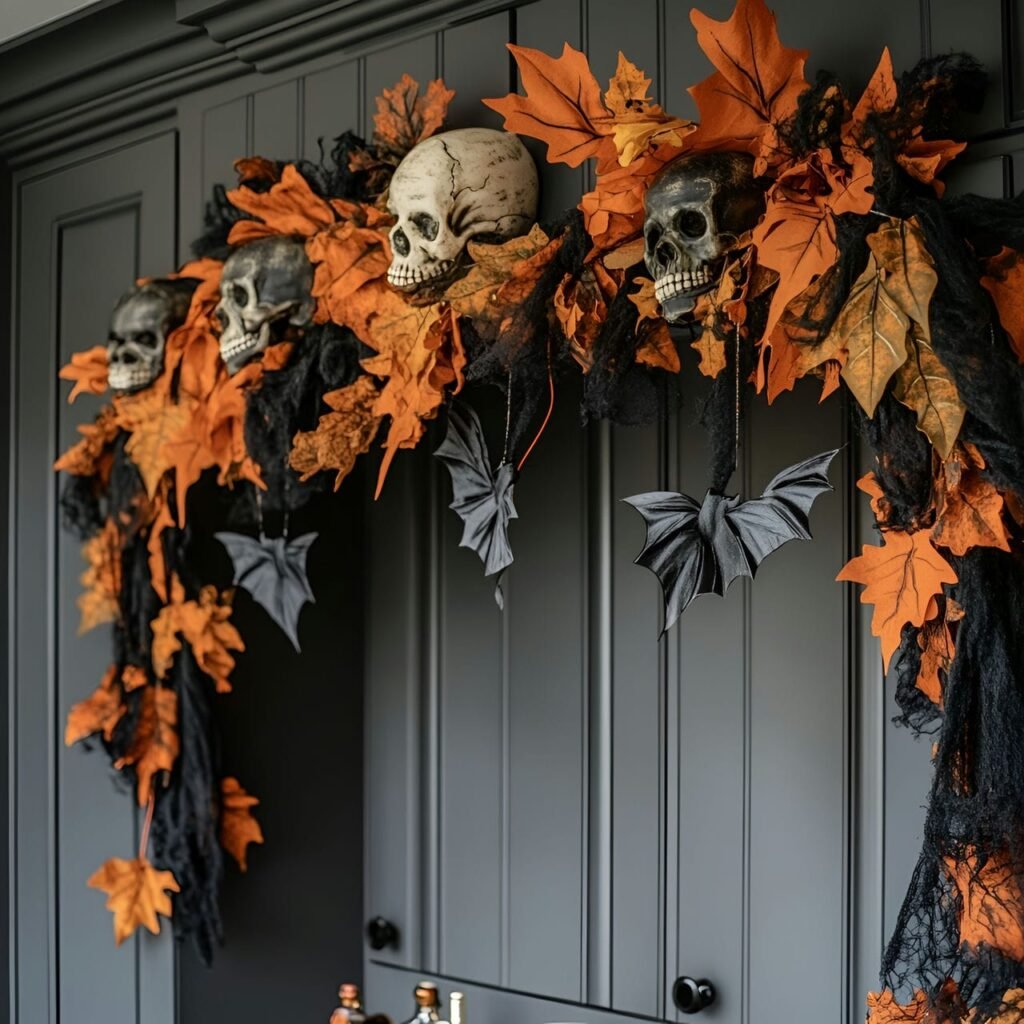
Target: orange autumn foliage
point(205, 625)
point(137, 893)
point(101, 581)
point(884, 1009)
point(900, 578)
point(405, 118)
point(656, 348)
point(937, 649)
point(289, 207)
point(581, 307)
point(100, 712)
point(88, 370)
point(562, 106)
point(756, 82)
point(1004, 281)
point(238, 827)
point(991, 904)
point(154, 747)
point(419, 356)
point(970, 508)
point(341, 435)
point(92, 455)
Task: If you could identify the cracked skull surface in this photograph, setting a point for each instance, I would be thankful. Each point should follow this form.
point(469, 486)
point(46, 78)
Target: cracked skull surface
point(265, 289)
point(139, 325)
point(453, 187)
point(695, 210)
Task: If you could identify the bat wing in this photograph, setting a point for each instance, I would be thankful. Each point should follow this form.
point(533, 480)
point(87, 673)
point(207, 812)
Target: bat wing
point(782, 513)
point(273, 572)
point(676, 549)
point(482, 497)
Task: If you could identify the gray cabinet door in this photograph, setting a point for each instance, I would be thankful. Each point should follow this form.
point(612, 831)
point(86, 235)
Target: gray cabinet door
point(84, 234)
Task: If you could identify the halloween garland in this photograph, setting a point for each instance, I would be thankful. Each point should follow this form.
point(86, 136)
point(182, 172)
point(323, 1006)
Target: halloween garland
point(790, 232)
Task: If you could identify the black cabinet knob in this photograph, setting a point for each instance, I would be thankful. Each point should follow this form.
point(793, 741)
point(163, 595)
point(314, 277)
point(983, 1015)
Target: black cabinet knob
point(692, 995)
point(381, 933)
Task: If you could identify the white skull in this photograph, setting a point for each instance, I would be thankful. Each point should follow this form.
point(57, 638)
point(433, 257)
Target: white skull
point(453, 187)
point(265, 288)
point(139, 326)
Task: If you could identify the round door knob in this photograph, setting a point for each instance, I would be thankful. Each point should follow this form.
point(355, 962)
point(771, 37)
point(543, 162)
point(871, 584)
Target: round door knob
point(381, 933)
point(693, 995)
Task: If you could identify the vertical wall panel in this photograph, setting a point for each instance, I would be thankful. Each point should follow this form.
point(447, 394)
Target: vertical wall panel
point(707, 758)
point(472, 703)
point(797, 731)
point(276, 121)
point(547, 676)
point(226, 136)
point(477, 66)
point(86, 792)
point(331, 106)
point(86, 233)
point(546, 26)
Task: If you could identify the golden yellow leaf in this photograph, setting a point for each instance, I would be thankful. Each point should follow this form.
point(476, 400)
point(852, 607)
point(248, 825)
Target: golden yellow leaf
point(924, 385)
point(99, 712)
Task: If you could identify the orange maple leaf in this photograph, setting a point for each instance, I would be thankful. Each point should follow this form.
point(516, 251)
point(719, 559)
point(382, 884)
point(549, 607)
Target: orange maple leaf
point(347, 255)
point(238, 827)
point(970, 507)
point(419, 356)
point(88, 370)
point(613, 212)
point(99, 712)
point(133, 677)
point(797, 235)
point(137, 893)
point(154, 747)
point(937, 649)
point(562, 106)
point(581, 307)
point(656, 348)
point(153, 418)
point(900, 579)
point(405, 118)
point(102, 579)
point(756, 84)
point(341, 435)
point(91, 455)
point(289, 207)
point(1004, 281)
point(205, 624)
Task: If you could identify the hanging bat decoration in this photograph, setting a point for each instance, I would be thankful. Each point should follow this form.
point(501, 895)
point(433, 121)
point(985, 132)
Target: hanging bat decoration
point(273, 571)
point(699, 548)
point(482, 496)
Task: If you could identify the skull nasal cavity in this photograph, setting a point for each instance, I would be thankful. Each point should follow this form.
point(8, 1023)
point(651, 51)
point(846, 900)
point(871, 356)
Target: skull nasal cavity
point(691, 224)
point(400, 242)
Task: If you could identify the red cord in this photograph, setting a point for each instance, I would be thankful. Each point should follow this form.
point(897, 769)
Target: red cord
point(144, 838)
point(551, 406)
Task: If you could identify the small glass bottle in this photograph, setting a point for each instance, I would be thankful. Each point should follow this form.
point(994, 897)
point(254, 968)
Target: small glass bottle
point(427, 1002)
point(351, 1009)
point(457, 1012)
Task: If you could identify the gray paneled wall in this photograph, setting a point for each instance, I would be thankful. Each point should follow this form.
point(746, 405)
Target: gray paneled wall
point(561, 812)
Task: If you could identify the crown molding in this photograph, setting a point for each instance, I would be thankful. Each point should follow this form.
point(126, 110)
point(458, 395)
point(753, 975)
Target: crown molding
point(131, 61)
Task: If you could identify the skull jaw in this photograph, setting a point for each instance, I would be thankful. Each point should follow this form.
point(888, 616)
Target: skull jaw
point(412, 278)
point(238, 346)
point(675, 300)
point(129, 378)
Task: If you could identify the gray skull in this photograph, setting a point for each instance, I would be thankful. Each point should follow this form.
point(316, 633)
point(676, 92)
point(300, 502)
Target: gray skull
point(139, 326)
point(696, 208)
point(265, 288)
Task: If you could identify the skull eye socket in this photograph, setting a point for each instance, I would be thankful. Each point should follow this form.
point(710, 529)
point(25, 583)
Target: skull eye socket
point(691, 223)
point(147, 339)
point(222, 317)
point(426, 225)
point(239, 296)
point(400, 242)
point(652, 236)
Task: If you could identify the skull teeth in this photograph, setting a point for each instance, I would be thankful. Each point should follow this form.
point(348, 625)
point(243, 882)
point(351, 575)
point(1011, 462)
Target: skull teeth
point(682, 281)
point(403, 276)
point(127, 378)
point(246, 343)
